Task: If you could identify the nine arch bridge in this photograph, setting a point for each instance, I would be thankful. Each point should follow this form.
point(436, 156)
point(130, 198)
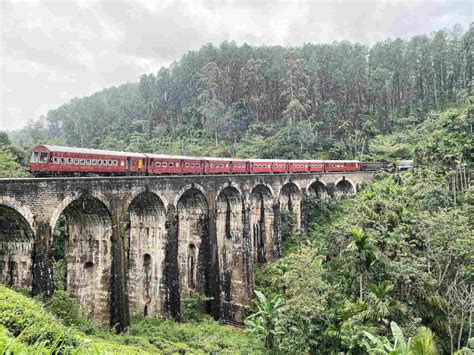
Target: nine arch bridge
point(138, 245)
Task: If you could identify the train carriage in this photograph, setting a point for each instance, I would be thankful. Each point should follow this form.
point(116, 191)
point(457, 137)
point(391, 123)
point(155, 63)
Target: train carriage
point(173, 164)
point(298, 166)
point(239, 166)
point(261, 166)
point(341, 165)
point(50, 160)
point(217, 165)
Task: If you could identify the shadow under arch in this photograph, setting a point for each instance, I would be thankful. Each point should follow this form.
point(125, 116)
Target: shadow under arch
point(16, 248)
point(344, 187)
point(231, 263)
point(261, 223)
point(317, 189)
point(145, 251)
point(81, 248)
point(290, 206)
point(193, 230)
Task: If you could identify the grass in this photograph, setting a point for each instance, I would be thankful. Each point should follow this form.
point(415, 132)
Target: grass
point(28, 327)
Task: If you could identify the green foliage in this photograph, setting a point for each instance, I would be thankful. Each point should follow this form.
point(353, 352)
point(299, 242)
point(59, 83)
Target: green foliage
point(26, 319)
point(266, 322)
point(28, 327)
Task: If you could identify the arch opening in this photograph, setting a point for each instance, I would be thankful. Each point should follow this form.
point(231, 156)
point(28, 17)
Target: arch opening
point(232, 272)
point(145, 248)
point(193, 229)
point(82, 254)
point(16, 248)
point(344, 188)
point(290, 207)
point(318, 190)
point(261, 224)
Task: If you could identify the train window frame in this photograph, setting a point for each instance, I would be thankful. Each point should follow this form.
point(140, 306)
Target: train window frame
point(88, 162)
point(82, 161)
point(56, 160)
point(111, 163)
point(186, 165)
point(63, 160)
point(99, 162)
point(94, 161)
point(158, 164)
point(115, 163)
point(76, 161)
point(69, 160)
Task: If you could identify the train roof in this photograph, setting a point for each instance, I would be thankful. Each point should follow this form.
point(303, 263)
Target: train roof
point(61, 149)
point(341, 161)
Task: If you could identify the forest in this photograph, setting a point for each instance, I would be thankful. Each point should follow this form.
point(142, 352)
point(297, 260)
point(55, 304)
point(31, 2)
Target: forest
point(388, 270)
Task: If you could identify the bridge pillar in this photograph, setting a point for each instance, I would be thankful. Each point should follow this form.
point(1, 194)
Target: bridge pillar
point(119, 303)
point(42, 276)
point(171, 282)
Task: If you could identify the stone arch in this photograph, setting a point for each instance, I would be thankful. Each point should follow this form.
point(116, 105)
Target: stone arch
point(140, 191)
point(73, 197)
point(85, 233)
point(344, 187)
point(193, 228)
point(317, 188)
point(290, 201)
point(24, 211)
point(16, 247)
point(145, 248)
point(185, 189)
point(229, 231)
point(261, 217)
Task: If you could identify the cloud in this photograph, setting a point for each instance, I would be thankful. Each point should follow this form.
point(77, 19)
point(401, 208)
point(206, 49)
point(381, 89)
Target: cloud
point(54, 51)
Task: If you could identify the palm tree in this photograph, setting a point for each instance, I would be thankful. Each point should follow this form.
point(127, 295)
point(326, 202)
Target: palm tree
point(366, 252)
point(380, 302)
point(421, 344)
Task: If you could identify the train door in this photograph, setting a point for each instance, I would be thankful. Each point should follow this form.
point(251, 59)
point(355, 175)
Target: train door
point(128, 164)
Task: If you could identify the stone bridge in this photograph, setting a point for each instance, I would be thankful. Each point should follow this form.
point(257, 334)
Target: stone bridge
point(139, 245)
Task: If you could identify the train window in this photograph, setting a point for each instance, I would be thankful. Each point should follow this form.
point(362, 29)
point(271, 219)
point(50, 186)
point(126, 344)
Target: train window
point(69, 160)
point(76, 161)
point(110, 163)
point(81, 161)
point(227, 165)
point(115, 163)
point(122, 163)
point(63, 160)
point(177, 165)
point(157, 164)
point(186, 165)
point(88, 162)
point(94, 161)
point(197, 165)
point(99, 162)
point(56, 160)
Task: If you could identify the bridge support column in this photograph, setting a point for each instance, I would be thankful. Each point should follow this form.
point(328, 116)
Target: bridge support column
point(119, 305)
point(171, 282)
point(42, 282)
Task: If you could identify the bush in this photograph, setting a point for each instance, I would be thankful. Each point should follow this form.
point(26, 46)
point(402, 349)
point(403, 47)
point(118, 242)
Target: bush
point(27, 319)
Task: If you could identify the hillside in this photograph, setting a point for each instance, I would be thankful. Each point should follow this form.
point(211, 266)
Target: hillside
point(318, 100)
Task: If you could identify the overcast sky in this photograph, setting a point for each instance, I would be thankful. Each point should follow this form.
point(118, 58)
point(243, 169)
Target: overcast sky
point(54, 51)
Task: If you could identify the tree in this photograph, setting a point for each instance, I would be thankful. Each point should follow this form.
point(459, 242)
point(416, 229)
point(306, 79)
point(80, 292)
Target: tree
point(266, 322)
point(365, 250)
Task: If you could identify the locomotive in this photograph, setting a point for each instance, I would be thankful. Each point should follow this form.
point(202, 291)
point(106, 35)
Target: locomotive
point(49, 160)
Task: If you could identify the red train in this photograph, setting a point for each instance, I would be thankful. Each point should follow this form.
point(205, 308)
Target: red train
point(56, 160)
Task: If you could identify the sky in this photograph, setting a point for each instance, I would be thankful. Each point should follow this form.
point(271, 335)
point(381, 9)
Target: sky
point(51, 52)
